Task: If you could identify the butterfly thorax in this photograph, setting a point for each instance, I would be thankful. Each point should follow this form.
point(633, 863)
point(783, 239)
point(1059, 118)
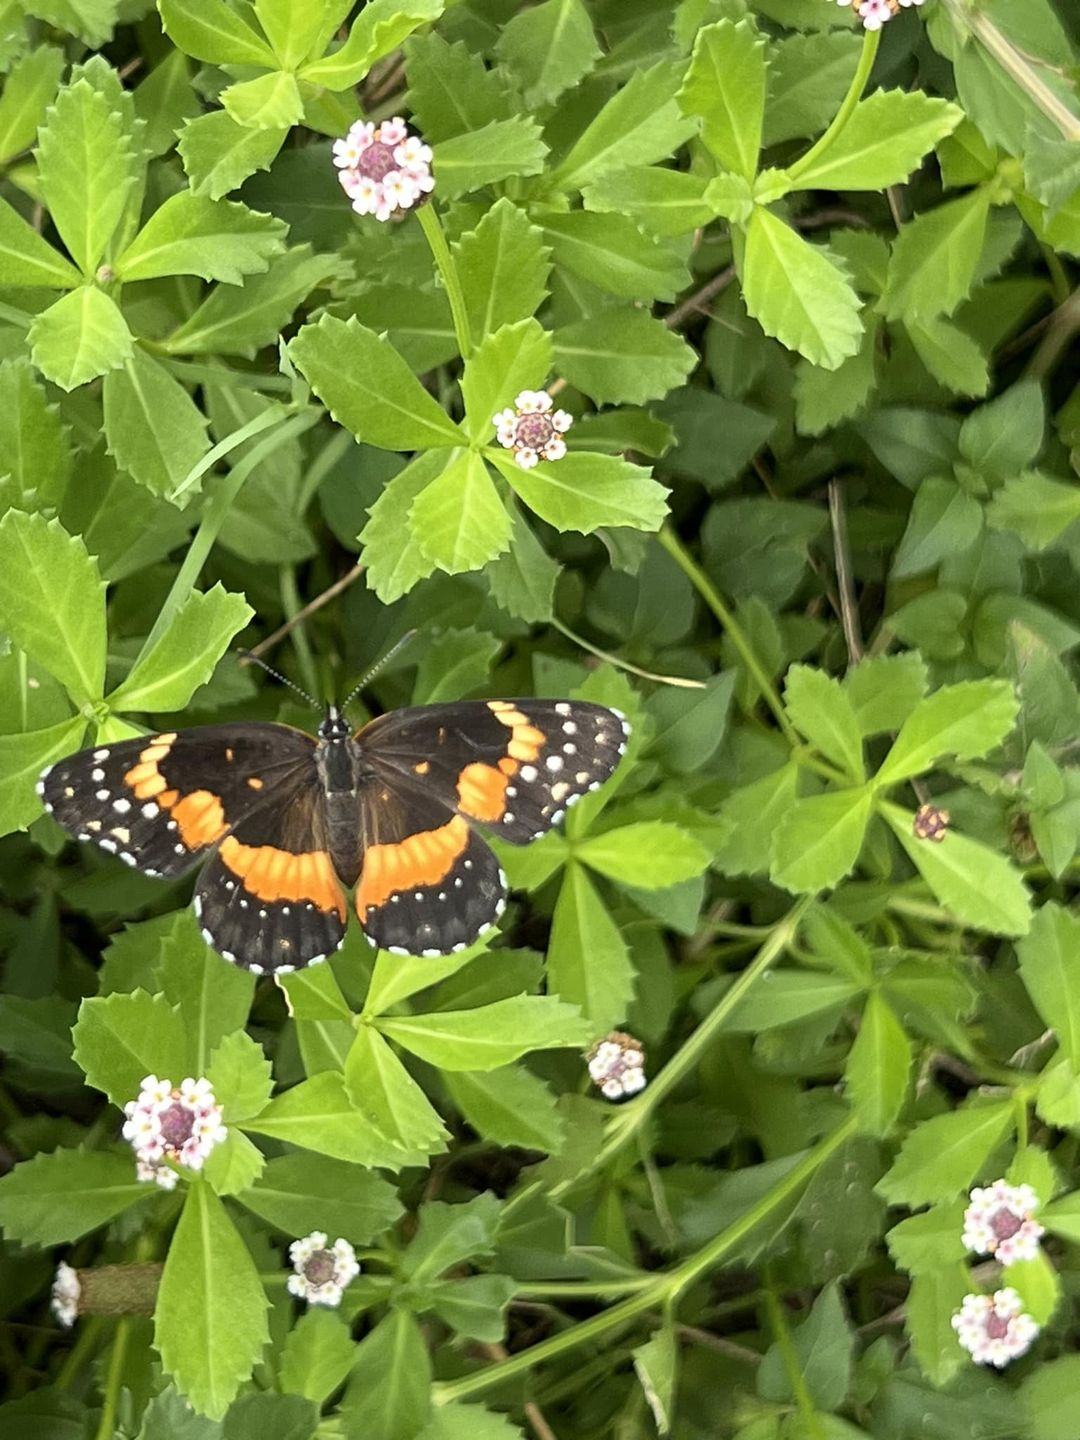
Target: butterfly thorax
point(342, 771)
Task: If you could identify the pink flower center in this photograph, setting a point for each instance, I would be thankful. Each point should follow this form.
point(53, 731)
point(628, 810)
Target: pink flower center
point(177, 1123)
point(533, 431)
point(1005, 1223)
point(319, 1269)
point(997, 1326)
point(377, 161)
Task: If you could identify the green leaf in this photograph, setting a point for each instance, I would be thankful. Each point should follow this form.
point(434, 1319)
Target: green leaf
point(965, 720)
point(389, 1395)
point(885, 689)
point(548, 48)
point(942, 1156)
point(240, 320)
point(368, 387)
point(1050, 968)
point(823, 398)
point(878, 1068)
point(787, 997)
point(823, 1354)
point(522, 579)
point(214, 999)
point(503, 148)
point(154, 429)
point(490, 1035)
point(503, 267)
point(27, 259)
point(611, 252)
point(623, 356)
point(317, 1356)
point(930, 1240)
point(584, 491)
point(22, 759)
point(32, 440)
point(661, 201)
point(469, 1422)
point(448, 1235)
point(299, 1193)
point(81, 336)
point(193, 235)
point(240, 1074)
point(119, 1039)
point(640, 123)
point(451, 90)
point(392, 554)
point(234, 1164)
point(818, 840)
point(30, 85)
point(588, 960)
point(52, 601)
point(1048, 1395)
point(978, 885)
point(219, 154)
point(952, 357)
point(272, 102)
point(456, 662)
point(509, 1106)
point(185, 654)
point(934, 260)
point(809, 76)
point(53, 1199)
point(380, 27)
point(725, 86)
point(934, 1299)
point(210, 1321)
point(291, 26)
point(458, 520)
point(883, 142)
point(1038, 1285)
point(753, 813)
point(318, 1115)
point(390, 1099)
point(650, 854)
point(656, 1366)
point(818, 706)
point(797, 293)
point(1005, 435)
point(87, 168)
point(1035, 507)
point(516, 357)
point(476, 1306)
point(944, 521)
point(210, 30)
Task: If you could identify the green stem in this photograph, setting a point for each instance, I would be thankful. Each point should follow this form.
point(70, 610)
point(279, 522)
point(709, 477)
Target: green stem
point(631, 1117)
point(222, 375)
point(290, 603)
point(708, 592)
point(86, 1342)
point(782, 1332)
point(871, 41)
point(679, 681)
point(114, 1381)
point(663, 1291)
point(444, 262)
point(20, 318)
point(261, 422)
point(584, 1289)
point(213, 517)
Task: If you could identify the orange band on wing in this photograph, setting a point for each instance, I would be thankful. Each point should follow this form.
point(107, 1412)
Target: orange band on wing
point(199, 818)
point(417, 861)
point(482, 792)
point(526, 741)
point(280, 876)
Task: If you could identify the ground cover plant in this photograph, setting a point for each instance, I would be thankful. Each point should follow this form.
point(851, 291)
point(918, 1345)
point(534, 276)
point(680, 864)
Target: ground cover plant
point(714, 360)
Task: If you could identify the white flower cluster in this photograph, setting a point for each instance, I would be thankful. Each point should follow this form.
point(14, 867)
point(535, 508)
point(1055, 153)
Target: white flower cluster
point(66, 1292)
point(874, 13)
point(382, 168)
point(994, 1329)
point(999, 1222)
point(532, 429)
point(321, 1272)
point(180, 1123)
point(617, 1065)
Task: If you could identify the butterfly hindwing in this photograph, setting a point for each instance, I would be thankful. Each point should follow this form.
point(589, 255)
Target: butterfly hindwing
point(514, 765)
point(270, 900)
point(160, 803)
point(429, 885)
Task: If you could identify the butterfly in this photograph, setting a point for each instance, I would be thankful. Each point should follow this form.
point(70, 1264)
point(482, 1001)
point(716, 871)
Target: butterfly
point(285, 821)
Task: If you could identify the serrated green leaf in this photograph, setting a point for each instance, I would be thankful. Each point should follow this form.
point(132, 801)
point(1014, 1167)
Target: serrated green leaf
point(240, 1074)
point(883, 142)
point(934, 1299)
point(491, 1035)
point(213, 999)
point(317, 1356)
point(885, 689)
point(932, 1239)
point(318, 1115)
point(509, 1106)
point(623, 356)
point(389, 1395)
point(589, 962)
point(818, 840)
point(272, 102)
point(119, 1039)
point(548, 48)
point(22, 759)
point(192, 235)
point(584, 491)
point(503, 266)
point(798, 294)
point(219, 154)
point(934, 259)
point(503, 148)
point(611, 252)
point(952, 357)
point(522, 579)
point(300, 1193)
point(210, 1321)
point(650, 854)
point(809, 76)
point(448, 1235)
point(944, 521)
point(475, 1306)
point(56, 1198)
point(155, 431)
point(943, 1155)
point(32, 441)
point(29, 87)
point(640, 124)
point(291, 26)
point(379, 28)
point(818, 706)
point(81, 336)
point(965, 720)
point(210, 30)
point(1037, 508)
point(1050, 969)
point(878, 1067)
point(725, 86)
point(390, 1099)
point(451, 90)
point(27, 259)
point(788, 997)
point(185, 654)
point(459, 521)
point(516, 357)
point(392, 554)
point(240, 320)
point(661, 201)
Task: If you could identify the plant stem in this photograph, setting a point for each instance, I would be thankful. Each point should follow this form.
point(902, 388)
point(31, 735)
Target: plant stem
point(708, 592)
point(261, 422)
point(782, 1332)
point(20, 318)
point(114, 1381)
point(444, 262)
point(290, 604)
point(871, 41)
point(663, 1291)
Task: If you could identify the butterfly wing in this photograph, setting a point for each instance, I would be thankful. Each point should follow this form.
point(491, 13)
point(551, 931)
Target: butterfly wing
point(516, 765)
point(269, 900)
point(161, 803)
point(429, 885)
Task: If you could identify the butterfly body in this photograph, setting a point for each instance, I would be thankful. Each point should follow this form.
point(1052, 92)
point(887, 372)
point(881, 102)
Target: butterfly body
point(285, 820)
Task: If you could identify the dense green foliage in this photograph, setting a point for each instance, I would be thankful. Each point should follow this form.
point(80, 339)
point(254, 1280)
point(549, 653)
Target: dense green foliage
point(810, 294)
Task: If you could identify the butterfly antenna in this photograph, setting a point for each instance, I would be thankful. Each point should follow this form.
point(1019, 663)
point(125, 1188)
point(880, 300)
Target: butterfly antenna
point(379, 665)
point(247, 657)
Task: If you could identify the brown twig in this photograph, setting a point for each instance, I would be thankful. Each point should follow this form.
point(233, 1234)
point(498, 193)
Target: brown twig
point(309, 609)
point(719, 1344)
point(849, 613)
point(696, 303)
point(533, 1413)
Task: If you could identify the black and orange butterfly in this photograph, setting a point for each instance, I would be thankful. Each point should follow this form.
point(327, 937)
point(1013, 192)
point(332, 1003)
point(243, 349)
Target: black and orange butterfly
point(286, 820)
